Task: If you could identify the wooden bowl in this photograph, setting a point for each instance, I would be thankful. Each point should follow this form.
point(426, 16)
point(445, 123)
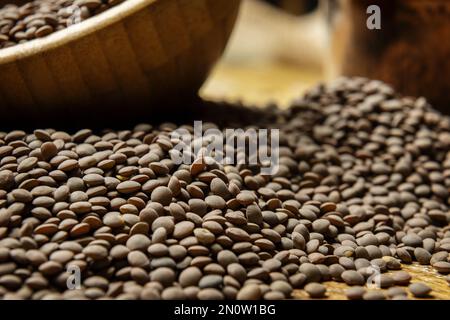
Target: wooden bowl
point(129, 60)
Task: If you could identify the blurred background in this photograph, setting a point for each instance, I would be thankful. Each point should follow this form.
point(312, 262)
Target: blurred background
point(274, 54)
point(279, 48)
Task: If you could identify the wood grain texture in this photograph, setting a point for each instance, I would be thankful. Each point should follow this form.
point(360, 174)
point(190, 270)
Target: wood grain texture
point(138, 54)
point(424, 274)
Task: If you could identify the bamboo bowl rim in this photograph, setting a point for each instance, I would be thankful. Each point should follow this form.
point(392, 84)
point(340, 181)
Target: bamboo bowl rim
point(74, 32)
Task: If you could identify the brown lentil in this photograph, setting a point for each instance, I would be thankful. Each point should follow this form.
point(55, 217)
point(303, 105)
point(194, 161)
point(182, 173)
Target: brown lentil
point(359, 185)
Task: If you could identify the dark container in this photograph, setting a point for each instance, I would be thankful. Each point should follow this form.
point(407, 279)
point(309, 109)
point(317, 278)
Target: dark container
point(411, 51)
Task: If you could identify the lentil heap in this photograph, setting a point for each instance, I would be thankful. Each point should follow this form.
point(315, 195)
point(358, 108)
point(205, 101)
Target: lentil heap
point(363, 181)
point(39, 18)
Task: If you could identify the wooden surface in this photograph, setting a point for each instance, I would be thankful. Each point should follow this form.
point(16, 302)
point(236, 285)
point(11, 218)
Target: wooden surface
point(259, 84)
point(271, 57)
point(441, 289)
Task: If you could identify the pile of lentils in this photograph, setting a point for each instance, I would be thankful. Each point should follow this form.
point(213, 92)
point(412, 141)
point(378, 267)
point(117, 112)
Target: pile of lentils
point(39, 18)
point(363, 184)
